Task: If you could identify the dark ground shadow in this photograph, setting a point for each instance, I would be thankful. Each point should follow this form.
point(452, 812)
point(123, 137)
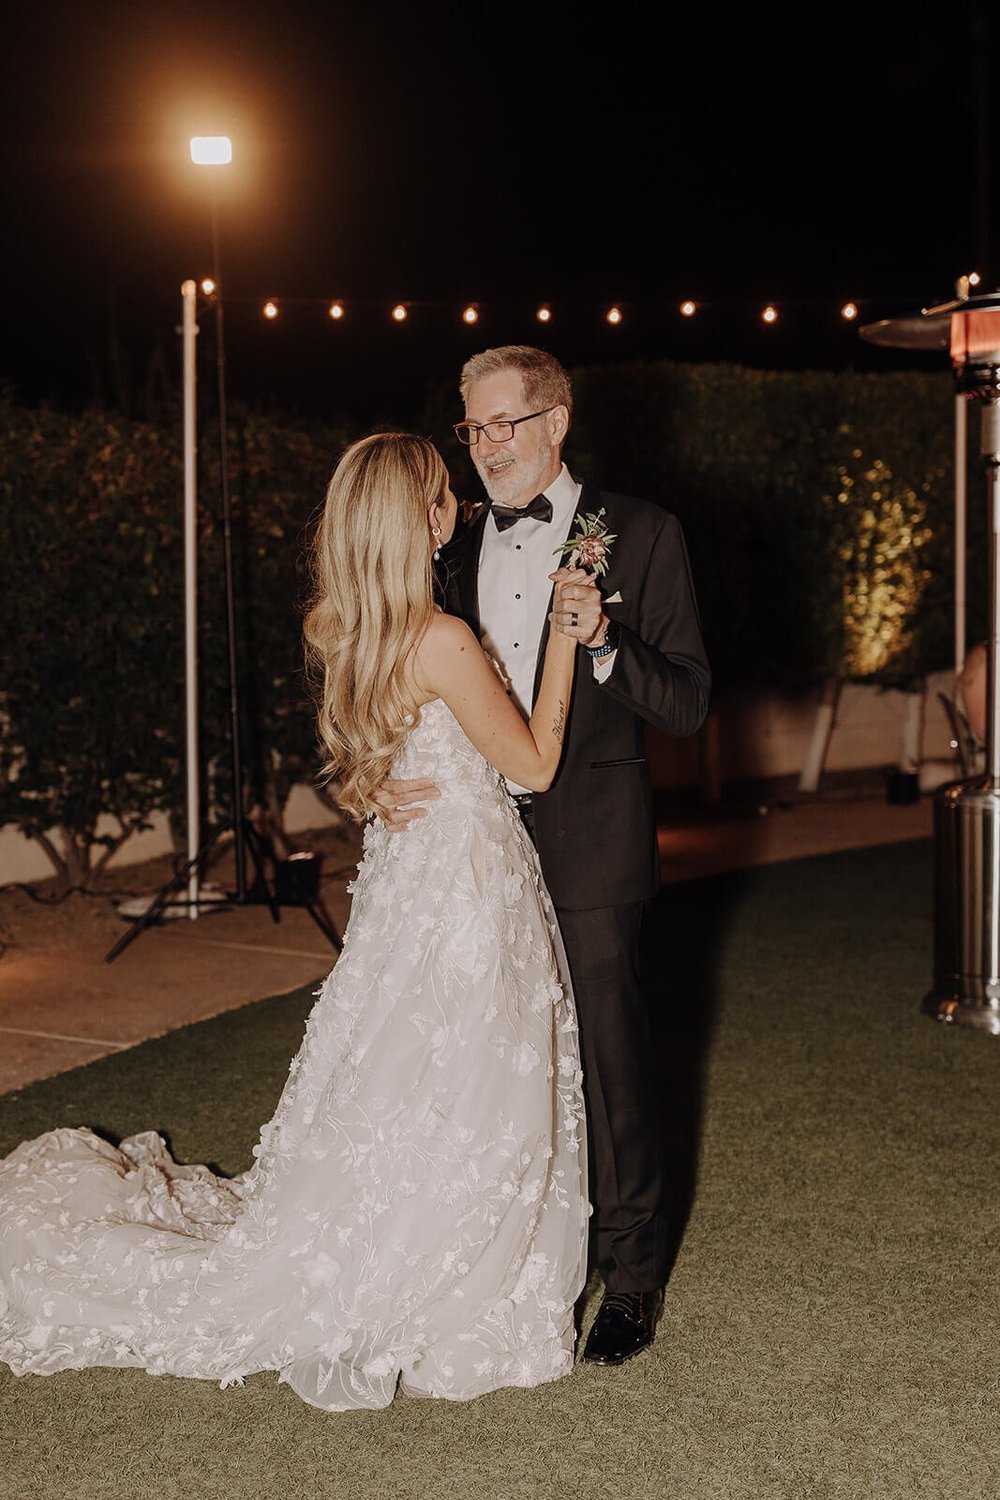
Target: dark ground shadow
point(683, 941)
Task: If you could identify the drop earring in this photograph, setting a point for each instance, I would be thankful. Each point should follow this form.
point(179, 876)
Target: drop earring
point(436, 531)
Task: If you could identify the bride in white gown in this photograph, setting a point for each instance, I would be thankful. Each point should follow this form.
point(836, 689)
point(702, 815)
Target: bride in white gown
point(416, 1215)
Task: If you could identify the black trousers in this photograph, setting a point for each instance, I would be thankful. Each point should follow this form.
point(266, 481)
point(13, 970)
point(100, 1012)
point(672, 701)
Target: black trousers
point(629, 1226)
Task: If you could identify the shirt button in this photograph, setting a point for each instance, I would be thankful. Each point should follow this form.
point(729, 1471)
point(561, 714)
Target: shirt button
point(517, 596)
point(516, 645)
point(517, 546)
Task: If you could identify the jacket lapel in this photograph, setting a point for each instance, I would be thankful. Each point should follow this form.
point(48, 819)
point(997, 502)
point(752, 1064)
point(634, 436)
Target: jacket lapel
point(461, 562)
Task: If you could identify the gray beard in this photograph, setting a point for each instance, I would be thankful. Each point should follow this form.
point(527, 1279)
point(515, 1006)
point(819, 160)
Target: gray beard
point(498, 492)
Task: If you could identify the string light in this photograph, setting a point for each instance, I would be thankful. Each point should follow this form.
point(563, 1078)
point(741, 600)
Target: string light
point(974, 278)
point(613, 315)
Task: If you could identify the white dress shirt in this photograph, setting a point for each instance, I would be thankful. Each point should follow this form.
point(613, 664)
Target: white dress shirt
point(515, 588)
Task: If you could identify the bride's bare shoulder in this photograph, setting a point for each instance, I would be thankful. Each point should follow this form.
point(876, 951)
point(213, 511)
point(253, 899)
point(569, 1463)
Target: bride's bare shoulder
point(446, 635)
point(448, 650)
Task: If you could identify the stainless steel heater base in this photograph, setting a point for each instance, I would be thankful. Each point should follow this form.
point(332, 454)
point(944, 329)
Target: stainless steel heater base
point(966, 906)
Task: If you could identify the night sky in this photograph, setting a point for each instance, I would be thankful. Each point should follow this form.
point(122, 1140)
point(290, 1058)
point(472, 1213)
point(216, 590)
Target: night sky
point(442, 153)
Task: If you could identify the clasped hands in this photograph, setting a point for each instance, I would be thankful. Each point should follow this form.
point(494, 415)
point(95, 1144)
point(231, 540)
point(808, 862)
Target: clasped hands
point(577, 608)
point(577, 612)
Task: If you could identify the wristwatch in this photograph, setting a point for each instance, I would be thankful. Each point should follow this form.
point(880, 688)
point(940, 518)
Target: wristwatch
point(609, 643)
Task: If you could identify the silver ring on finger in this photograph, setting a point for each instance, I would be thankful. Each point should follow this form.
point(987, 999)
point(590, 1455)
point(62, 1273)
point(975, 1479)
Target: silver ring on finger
point(574, 620)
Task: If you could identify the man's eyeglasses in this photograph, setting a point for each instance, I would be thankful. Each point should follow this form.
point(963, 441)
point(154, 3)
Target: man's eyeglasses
point(497, 432)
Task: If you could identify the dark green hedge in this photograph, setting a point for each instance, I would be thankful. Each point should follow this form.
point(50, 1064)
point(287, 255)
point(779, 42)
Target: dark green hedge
point(92, 647)
point(818, 509)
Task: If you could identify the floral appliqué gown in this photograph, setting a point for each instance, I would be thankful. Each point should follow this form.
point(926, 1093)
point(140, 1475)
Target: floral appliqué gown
point(416, 1214)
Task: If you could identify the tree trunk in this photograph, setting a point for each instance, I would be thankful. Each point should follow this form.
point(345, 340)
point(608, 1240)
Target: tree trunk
point(823, 726)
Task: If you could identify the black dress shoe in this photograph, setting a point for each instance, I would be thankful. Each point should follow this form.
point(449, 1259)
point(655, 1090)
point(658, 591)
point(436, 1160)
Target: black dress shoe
point(625, 1324)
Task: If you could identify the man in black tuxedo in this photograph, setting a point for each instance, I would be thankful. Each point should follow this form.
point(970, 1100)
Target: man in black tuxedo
point(641, 659)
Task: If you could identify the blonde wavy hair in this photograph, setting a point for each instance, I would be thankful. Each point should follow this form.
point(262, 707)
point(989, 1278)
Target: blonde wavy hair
point(372, 600)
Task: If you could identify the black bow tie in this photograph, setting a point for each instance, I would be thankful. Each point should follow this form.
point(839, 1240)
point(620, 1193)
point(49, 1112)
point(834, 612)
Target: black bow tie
point(506, 515)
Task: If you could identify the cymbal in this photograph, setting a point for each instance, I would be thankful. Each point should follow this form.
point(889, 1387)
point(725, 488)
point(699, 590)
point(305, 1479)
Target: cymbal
point(931, 327)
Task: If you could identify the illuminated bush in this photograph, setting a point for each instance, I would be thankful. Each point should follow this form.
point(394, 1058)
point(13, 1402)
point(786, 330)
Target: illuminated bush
point(879, 538)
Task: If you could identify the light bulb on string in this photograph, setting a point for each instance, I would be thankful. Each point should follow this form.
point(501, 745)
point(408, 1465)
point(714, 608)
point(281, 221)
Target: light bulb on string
point(399, 313)
point(208, 286)
point(544, 314)
point(849, 311)
point(770, 313)
point(613, 316)
point(470, 314)
point(270, 310)
point(335, 311)
point(688, 309)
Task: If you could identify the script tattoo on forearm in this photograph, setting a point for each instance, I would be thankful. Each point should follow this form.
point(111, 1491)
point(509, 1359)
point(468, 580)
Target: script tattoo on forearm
point(559, 722)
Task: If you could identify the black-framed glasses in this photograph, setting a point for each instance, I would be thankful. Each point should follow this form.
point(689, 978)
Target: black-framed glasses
point(497, 432)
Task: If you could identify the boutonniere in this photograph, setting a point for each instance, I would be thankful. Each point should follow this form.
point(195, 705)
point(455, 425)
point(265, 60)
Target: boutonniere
point(591, 545)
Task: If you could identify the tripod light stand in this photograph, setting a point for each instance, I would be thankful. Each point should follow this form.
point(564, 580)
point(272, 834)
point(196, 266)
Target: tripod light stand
point(295, 887)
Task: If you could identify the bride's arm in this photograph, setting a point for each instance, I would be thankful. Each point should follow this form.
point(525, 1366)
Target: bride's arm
point(451, 664)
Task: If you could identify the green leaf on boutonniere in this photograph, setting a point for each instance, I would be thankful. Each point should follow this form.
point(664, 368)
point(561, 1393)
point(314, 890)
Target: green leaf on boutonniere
point(590, 545)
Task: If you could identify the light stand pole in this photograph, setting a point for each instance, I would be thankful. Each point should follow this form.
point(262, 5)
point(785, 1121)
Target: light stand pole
point(236, 756)
point(189, 334)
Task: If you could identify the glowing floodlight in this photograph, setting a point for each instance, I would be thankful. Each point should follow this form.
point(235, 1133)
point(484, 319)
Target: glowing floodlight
point(211, 150)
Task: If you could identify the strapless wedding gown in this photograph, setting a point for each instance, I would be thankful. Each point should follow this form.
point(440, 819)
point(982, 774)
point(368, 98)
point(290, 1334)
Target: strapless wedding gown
point(417, 1211)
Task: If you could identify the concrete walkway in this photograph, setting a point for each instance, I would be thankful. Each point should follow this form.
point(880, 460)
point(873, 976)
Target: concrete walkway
point(64, 1008)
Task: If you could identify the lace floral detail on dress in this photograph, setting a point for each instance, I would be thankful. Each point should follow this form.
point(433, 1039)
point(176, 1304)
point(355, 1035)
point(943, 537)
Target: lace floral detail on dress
point(416, 1208)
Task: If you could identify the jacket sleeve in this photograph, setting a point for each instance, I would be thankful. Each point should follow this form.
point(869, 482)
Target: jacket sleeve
point(661, 671)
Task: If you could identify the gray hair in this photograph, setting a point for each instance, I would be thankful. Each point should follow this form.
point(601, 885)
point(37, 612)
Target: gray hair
point(546, 383)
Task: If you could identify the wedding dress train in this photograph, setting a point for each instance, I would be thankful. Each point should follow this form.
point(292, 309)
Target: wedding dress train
point(416, 1213)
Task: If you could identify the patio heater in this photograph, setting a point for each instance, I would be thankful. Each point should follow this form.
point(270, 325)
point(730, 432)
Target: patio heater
point(966, 989)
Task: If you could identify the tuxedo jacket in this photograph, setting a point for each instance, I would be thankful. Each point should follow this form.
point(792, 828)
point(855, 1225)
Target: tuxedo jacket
point(594, 827)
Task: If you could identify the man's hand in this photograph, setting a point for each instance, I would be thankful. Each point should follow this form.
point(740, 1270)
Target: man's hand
point(397, 802)
point(577, 608)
